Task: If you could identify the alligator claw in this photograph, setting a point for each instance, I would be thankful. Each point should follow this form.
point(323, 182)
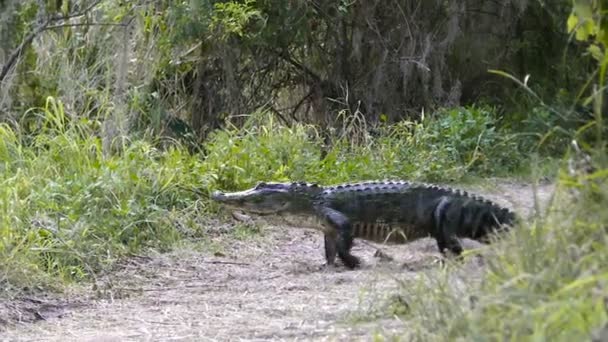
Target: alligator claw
point(241, 217)
point(440, 261)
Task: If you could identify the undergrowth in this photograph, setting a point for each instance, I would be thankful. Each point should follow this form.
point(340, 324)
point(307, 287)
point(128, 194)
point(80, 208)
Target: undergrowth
point(70, 210)
point(548, 279)
point(442, 147)
point(546, 282)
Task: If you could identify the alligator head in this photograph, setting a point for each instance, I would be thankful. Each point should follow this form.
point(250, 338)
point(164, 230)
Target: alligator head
point(271, 198)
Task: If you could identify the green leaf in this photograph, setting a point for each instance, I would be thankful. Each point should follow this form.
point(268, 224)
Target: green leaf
point(583, 9)
point(572, 22)
point(582, 21)
point(585, 30)
point(596, 52)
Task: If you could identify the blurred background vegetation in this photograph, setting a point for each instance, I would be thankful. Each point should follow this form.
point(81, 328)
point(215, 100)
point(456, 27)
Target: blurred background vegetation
point(178, 67)
point(113, 111)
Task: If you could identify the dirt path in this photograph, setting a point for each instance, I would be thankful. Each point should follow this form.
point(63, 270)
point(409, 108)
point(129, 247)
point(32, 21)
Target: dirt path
point(268, 287)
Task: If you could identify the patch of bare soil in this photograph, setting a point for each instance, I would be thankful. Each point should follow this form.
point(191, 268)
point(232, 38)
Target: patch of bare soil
point(269, 287)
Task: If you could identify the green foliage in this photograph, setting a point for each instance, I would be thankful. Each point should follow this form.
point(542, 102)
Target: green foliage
point(547, 131)
point(589, 22)
point(470, 137)
point(69, 211)
point(451, 143)
point(246, 231)
point(256, 52)
point(548, 279)
point(187, 20)
point(262, 149)
point(545, 281)
point(445, 147)
point(233, 18)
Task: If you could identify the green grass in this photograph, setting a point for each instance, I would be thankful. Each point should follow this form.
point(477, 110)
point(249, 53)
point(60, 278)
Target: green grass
point(547, 281)
point(69, 209)
point(447, 146)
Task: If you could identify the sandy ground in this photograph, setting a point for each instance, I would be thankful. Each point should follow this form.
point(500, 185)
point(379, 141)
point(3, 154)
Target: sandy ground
point(271, 286)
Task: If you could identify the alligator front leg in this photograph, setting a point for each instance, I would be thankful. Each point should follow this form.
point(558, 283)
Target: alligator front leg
point(330, 248)
point(338, 237)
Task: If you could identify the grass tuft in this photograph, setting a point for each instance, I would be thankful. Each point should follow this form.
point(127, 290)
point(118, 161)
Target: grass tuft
point(70, 209)
point(546, 281)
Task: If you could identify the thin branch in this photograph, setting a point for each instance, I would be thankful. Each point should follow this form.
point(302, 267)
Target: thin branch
point(77, 14)
point(12, 59)
point(83, 24)
point(297, 64)
point(226, 263)
point(279, 115)
point(301, 102)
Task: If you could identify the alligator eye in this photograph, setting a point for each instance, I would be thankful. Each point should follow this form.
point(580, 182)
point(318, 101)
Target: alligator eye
point(260, 185)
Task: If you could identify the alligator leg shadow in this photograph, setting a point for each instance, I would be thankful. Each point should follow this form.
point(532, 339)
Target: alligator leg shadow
point(379, 253)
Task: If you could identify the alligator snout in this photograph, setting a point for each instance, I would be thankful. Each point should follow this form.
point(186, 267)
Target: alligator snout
point(218, 196)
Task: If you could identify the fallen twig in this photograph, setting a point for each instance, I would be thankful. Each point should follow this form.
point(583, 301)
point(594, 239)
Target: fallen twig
point(226, 263)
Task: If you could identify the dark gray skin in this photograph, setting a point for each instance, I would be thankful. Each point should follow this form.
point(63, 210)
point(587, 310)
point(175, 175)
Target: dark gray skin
point(381, 211)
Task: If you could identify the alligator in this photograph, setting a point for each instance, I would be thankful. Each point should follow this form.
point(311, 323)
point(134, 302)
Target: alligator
point(391, 211)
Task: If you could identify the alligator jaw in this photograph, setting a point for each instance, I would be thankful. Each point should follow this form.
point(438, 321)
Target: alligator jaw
point(220, 196)
point(245, 201)
point(231, 198)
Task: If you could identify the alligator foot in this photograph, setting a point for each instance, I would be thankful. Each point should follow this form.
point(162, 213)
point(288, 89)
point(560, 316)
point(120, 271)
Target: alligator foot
point(453, 255)
point(440, 261)
point(350, 261)
point(241, 217)
point(329, 268)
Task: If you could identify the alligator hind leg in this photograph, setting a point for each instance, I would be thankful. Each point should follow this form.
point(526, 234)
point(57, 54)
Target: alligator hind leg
point(336, 221)
point(446, 220)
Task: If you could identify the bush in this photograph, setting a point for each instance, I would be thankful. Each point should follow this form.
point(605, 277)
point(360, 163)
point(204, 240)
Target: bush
point(261, 150)
point(451, 143)
point(70, 210)
point(546, 281)
point(443, 147)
